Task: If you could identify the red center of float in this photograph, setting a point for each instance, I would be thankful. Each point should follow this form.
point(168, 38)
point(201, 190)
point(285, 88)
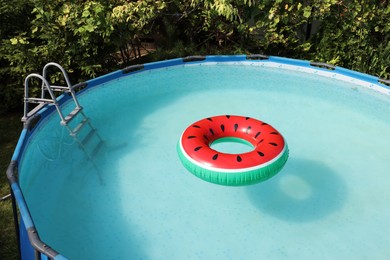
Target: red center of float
point(268, 143)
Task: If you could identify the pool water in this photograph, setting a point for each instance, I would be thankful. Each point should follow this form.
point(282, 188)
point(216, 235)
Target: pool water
point(136, 200)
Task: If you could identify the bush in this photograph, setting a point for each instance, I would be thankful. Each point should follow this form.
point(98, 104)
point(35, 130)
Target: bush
point(87, 37)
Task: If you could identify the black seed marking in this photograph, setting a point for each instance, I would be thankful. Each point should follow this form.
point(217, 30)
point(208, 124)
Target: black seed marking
point(260, 153)
point(211, 131)
point(211, 120)
point(274, 144)
point(239, 158)
point(215, 157)
point(191, 136)
point(228, 116)
point(235, 127)
point(196, 126)
point(260, 141)
point(205, 137)
point(248, 129)
point(274, 133)
point(246, 118)
point(264, 124)
point(223, 128)
point(197, 148)
point(258, 133)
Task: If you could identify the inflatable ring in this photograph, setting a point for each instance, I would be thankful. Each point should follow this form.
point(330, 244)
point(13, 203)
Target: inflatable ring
point(269, 154)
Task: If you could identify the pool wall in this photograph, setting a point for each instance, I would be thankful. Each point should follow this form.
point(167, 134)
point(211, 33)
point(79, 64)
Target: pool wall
point(30, 245)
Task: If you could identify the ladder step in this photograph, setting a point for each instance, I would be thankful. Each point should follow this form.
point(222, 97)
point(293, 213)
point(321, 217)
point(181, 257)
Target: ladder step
point(88, 137)
point(79, 126)
point(97, 148)
point(72, 114)
point(40, 100)
point(60, 88)
point(33, 111)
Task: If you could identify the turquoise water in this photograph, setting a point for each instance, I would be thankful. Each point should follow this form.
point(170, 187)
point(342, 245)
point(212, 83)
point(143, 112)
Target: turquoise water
point(135, 199)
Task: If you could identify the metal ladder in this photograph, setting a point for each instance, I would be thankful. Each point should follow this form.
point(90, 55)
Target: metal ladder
point(49, 98)
point(47, 88)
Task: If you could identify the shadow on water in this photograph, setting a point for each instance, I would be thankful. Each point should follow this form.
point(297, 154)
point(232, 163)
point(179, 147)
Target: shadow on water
point(305, 190)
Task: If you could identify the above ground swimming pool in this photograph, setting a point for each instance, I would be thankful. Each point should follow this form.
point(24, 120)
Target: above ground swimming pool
point(131, 198)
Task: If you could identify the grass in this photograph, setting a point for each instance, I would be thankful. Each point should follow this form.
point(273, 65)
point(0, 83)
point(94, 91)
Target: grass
point(10, 128)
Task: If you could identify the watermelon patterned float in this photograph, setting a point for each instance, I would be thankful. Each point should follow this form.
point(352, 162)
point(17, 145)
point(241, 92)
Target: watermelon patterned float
point(269, 154)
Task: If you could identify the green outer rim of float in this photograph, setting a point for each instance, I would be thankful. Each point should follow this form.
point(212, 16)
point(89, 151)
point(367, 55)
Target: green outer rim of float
point(239, 178)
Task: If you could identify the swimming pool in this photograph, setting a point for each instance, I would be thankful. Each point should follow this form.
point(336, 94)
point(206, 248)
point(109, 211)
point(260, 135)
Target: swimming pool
point(133, 198)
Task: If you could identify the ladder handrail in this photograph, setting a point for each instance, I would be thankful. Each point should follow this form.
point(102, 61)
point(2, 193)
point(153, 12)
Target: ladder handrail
point(44, 73)
point(45, 84)
point(66, 77)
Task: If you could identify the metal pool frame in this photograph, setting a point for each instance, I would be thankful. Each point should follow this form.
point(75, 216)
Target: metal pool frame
point(31, 246)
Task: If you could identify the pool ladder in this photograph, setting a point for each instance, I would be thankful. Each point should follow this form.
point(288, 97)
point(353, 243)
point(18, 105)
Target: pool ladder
point(47, 88)
point(49, 98)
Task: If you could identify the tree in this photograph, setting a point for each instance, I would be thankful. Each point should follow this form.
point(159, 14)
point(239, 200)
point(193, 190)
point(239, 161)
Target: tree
point(90, 38)
point(83, 36)
point(356, 35)
point(14, 18)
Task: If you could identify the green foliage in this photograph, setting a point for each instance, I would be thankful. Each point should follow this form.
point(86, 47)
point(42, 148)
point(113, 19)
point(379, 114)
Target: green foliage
point(82, 36)
point(356, 35)
point(86, 36)
point(11, 25)
point(219, 23)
